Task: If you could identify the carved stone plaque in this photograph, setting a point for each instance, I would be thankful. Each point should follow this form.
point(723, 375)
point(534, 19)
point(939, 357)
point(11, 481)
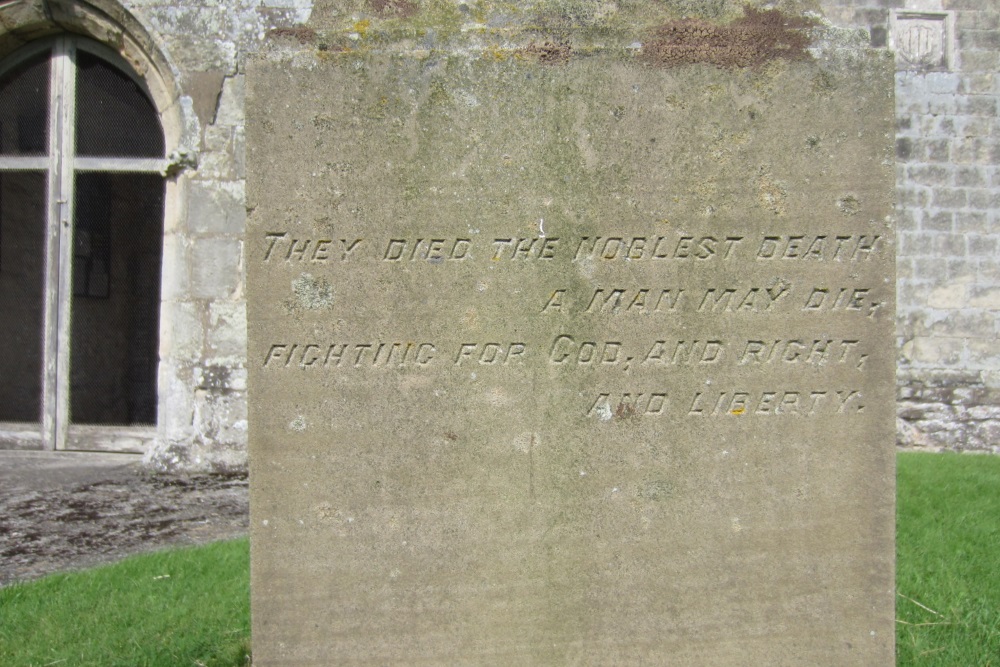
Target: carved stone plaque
point(922, 40)
point(586, 362)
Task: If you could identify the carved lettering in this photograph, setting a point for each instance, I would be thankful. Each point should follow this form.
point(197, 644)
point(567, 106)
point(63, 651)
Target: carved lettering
point(733, 300)
point(849, 248)
point(642, 301)
point(816, 352)
point(774, 403)
point(282, 247)
point(349, 355)
point(490, 354)
point(529, 248)
point(428, 250)
point(636, 248)
point(848, 299)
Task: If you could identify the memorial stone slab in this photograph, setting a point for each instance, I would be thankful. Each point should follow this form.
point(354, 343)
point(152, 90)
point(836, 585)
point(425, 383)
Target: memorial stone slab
point(566, 355)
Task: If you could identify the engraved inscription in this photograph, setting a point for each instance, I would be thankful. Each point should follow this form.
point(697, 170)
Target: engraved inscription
point(637, 248)
point(351, 355)
point(608, 406)
point(633, 356)
point(490, 354)
point(280, 246)
point(288, 247)
point(838, 248)
point(518, 248)
point(776, 403)
point(431, 250)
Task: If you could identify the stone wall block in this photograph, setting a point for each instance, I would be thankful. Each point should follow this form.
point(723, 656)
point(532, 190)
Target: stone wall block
point(931, 268)
point(988, 40)
point(950, 245)
point(985, 353)
point(950, 198)
point(943, 105)
point(985, 413)
point(240, 155)
point(977, 5)
point(912, 196)
point(907, 220)
point(216, 268)
point(197, 37)
point(988, 433)
point(218, 158)
point(905, 151)
point(222, 416)
point(941, 83)
point(937, 150)
point(913, 291)
point(960, 268)
point(979, 244)
point(915, 243)
point(216, 208)
point(955, 323)
point(984, 296)
point(980, 61)
point(176, 392)
point(984, 198)
point(905, 126)
point(904, 268)
point(227, 338)
point(979, 105)
point(988, 271)
point(931, 175)
point(981, 20)
point(175, 278)
point(970, 176)
point(184, 339)
point(972, 222)
point(935, 351)
point(231, 102)
point(970, 150)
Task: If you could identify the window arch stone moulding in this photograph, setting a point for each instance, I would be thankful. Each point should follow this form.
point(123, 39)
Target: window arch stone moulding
point(112, 26)
point(109, 23)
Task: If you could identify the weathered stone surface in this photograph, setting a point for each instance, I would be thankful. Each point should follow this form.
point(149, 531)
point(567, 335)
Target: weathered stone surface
point(586, 362)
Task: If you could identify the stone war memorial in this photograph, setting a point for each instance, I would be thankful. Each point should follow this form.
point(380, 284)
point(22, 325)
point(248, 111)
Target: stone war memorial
point(570, 337)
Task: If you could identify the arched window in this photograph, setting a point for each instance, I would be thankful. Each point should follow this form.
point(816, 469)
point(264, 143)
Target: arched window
point(81, 225)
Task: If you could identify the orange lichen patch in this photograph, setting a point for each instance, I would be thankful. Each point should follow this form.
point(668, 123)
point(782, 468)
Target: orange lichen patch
point(752, 40)
point(625, 411)
point(393, 8)
point(548, 53)
point(301, 33)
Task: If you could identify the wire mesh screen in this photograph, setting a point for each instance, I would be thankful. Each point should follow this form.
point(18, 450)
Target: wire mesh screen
point(114, 324)
point(24, 103)
point(22, 294)
point(114, 116)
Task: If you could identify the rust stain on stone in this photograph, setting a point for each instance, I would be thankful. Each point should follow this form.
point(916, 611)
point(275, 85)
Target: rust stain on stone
point(301, 33)
point(547, 53)
point(752, 40)
point(393, 8)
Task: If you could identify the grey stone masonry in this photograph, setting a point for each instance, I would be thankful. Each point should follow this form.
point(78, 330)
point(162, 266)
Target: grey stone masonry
point(948, 216)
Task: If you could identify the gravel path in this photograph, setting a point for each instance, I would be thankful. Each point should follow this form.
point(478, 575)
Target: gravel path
point(72, 515)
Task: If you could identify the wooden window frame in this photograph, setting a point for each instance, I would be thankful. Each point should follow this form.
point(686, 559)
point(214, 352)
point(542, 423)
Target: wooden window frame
point(61, 164)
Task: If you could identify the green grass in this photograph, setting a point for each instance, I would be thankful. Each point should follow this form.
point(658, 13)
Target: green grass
point(182, 608)
point(948, 560)
point(131, 615)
